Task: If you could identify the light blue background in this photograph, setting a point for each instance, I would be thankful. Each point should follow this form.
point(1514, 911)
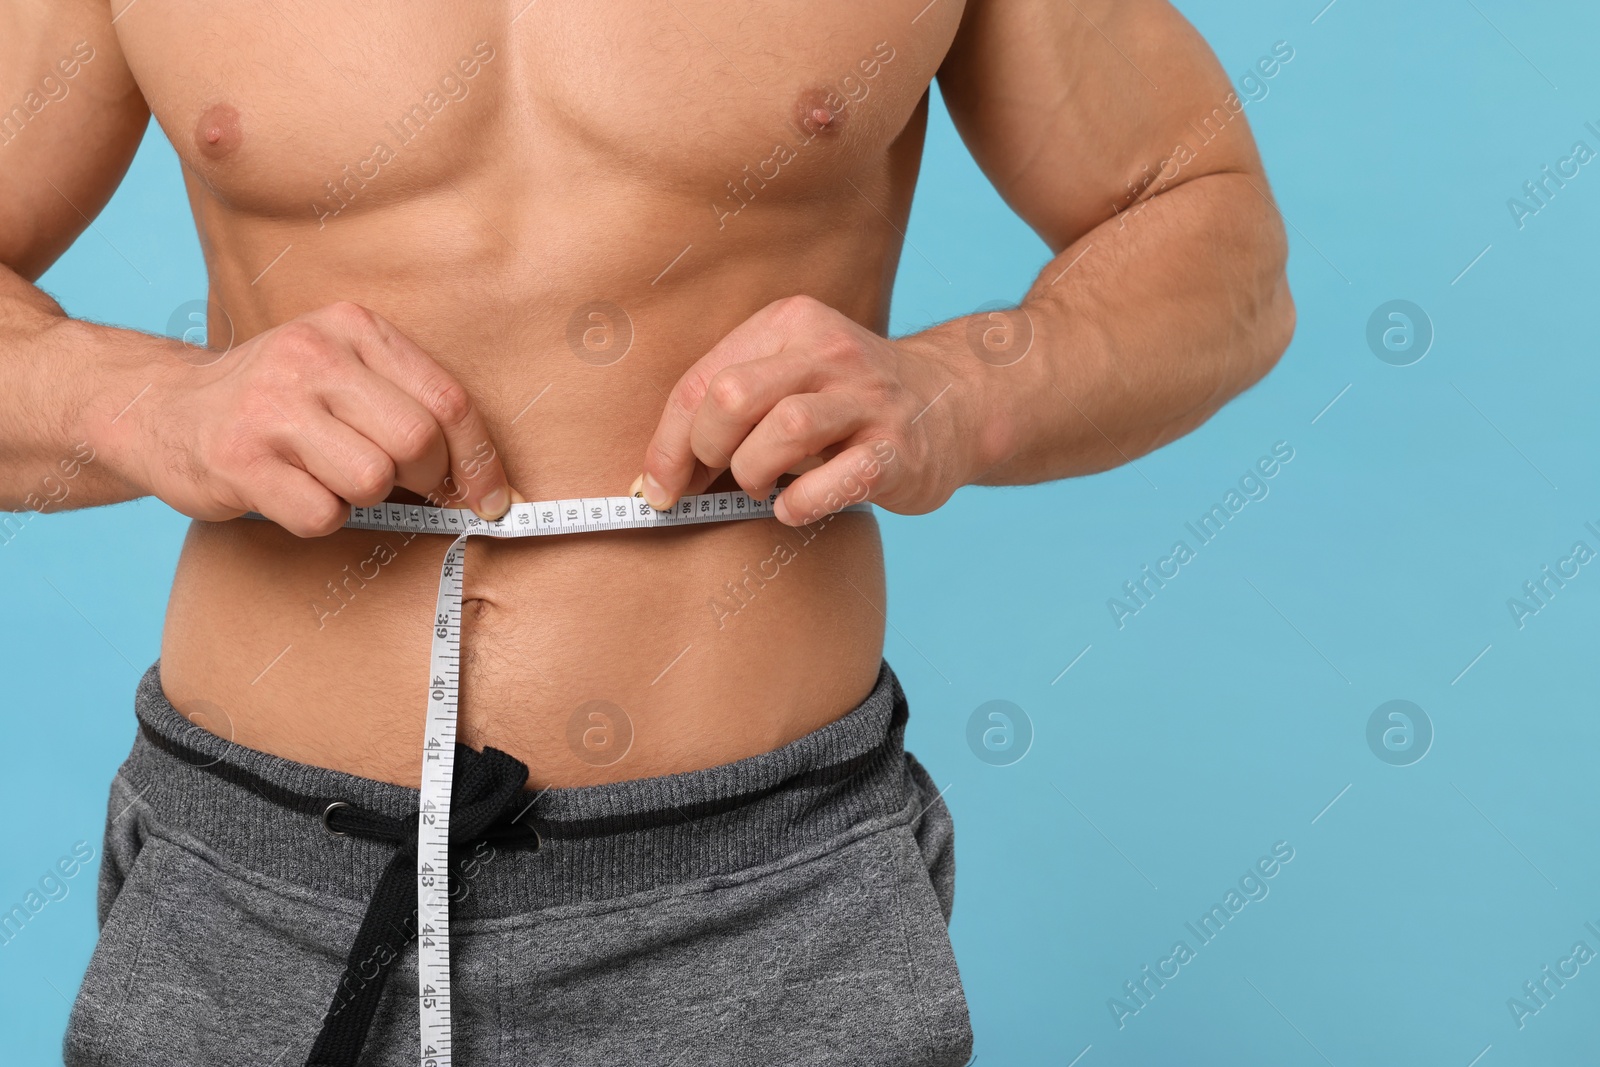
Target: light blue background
point(1230, 711)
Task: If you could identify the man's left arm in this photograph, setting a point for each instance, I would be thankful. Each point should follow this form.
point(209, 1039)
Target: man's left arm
point(1110, 128)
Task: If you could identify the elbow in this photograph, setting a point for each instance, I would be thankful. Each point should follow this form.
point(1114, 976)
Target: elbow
point(1270, 321)
point(1276, 329)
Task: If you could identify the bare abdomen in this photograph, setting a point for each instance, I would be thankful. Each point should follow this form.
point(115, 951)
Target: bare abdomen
point(592, 658)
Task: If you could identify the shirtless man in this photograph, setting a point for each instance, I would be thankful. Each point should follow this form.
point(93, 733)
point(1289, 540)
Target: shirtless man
point(479, 250)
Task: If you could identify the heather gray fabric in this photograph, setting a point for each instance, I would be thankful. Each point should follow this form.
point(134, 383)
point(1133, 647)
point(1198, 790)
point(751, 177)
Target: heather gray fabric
point(786, 909)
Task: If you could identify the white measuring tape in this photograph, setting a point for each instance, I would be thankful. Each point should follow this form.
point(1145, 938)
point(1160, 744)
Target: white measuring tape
point(541, 519)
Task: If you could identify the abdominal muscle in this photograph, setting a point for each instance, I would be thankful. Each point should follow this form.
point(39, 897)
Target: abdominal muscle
point(590, 657)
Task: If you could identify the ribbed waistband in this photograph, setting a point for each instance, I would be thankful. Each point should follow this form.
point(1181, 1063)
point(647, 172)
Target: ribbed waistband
point(599, 842)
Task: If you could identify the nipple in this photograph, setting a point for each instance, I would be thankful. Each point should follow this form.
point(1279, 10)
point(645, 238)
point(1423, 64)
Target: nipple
point(820, 111)
point(217, 134)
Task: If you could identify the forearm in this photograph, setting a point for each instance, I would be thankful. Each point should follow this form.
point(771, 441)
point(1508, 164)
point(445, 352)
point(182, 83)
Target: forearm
point(1141, 330)
point(63, 384)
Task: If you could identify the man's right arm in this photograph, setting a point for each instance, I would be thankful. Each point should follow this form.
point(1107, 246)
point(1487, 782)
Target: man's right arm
point(336, 407)
point(71, 121)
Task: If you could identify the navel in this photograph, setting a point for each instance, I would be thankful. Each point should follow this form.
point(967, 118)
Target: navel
point(218, 133)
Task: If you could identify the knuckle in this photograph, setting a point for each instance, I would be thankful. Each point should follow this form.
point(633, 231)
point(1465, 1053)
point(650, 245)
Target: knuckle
point(795, 420)
point(691, 391)
point(838, 346)
point(299, 351)
point(748, 473)
point(871, 478)
point(327, 515)
point(316, 519)
point(728, 393)
point(301, 343)
point(320, 527)
point(795, 309)
point(372, 480)
point(448, 401)
point(296, 335)
point(350, 315)
point(415, 440)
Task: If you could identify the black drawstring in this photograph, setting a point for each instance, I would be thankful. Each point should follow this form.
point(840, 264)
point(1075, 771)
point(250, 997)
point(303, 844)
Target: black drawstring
point(486, 801)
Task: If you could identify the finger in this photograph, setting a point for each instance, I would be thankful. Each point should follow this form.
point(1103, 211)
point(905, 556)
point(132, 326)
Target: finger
point(859, 473)
point(346, 463)
point(739, 397)
point(476, 477)
point(698, 482)
point(295, 500)
point(796, 429)
point(671, 463)
point(397, 423)
point(701, 479)
point(671, 468)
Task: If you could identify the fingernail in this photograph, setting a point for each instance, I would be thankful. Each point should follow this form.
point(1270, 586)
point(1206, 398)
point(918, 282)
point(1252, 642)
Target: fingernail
point(495, 504)
point(637, 488)
point(654, 495)
point(518, 498)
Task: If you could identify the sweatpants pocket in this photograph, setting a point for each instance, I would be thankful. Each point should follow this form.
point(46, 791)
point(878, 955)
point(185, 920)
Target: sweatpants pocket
point(925, 894)
point(840, 961)
point(129, 885)
point(197, 967)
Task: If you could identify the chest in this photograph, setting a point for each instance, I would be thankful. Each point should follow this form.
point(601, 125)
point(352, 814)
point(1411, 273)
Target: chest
point(277, 103)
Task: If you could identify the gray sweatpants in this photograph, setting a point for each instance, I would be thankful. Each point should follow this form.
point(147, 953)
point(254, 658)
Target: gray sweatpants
point(790, 908)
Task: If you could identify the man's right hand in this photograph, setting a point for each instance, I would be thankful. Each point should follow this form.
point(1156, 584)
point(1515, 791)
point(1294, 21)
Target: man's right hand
point(336, 407)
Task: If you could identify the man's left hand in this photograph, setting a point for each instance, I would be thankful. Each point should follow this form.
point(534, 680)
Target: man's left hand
point(800, 387)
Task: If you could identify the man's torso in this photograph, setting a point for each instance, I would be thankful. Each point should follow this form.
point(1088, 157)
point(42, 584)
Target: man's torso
point(565, 205)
